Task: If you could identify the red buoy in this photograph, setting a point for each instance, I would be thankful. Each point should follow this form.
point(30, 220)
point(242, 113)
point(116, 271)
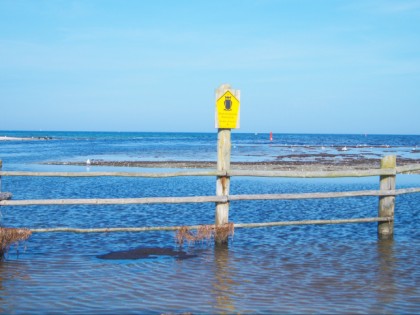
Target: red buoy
point(271, 136)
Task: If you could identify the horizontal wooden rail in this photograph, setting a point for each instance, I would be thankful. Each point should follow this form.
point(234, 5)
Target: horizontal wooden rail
point(195, 227)
point(116, 201)
point(297, 174)
point(323, 195)
point(408, 168)
point(203, 199)
point(113, 229)
point(229, 173)
point(313, 174)
point(112, 174)
point(310, 222)
point(407, 191)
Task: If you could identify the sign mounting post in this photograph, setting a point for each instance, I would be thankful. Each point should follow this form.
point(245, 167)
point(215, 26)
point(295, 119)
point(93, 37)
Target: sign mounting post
point(226, 117)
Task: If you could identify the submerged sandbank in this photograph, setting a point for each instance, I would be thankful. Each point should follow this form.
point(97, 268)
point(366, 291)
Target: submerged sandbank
point(7, 138)
point(293, 165)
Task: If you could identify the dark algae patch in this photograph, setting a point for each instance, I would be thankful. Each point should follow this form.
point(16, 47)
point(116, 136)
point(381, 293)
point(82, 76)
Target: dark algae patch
point(146, 253)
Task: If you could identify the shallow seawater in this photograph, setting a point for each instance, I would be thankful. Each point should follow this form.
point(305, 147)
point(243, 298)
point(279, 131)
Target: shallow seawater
point(320, 269)
point(299, 269)
point(301, 273)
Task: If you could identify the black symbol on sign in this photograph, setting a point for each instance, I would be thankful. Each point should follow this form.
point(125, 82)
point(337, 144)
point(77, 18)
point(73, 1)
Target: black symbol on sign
point(228, 103)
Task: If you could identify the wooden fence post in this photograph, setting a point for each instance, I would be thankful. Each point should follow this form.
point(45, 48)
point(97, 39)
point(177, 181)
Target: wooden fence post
point(226, 117)
point(223, 182)
point(387, 203)
point(3, 195)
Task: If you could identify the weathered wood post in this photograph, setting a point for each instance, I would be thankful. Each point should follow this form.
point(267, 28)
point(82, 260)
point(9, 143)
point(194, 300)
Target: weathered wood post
point(387, 203)
point(226, 118)
point(223, 182)
point(3, 195)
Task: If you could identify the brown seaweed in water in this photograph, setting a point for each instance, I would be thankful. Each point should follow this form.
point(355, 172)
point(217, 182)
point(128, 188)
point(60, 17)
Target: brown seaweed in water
point(10, 236)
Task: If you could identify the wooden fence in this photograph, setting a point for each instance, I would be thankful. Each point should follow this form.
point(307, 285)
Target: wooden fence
point(386, 194)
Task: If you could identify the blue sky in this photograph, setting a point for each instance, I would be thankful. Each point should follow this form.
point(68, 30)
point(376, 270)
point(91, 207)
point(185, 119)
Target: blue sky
point(302, 66)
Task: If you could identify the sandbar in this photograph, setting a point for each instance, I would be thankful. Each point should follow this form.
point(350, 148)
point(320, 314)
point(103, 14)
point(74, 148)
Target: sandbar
point(293, 165)
point(7, 138)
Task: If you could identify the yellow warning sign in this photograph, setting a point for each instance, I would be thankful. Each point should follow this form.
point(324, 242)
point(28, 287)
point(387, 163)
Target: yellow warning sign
point(227, 111)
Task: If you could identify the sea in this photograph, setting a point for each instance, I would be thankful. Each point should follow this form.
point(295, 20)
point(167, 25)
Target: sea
point(307, 269)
